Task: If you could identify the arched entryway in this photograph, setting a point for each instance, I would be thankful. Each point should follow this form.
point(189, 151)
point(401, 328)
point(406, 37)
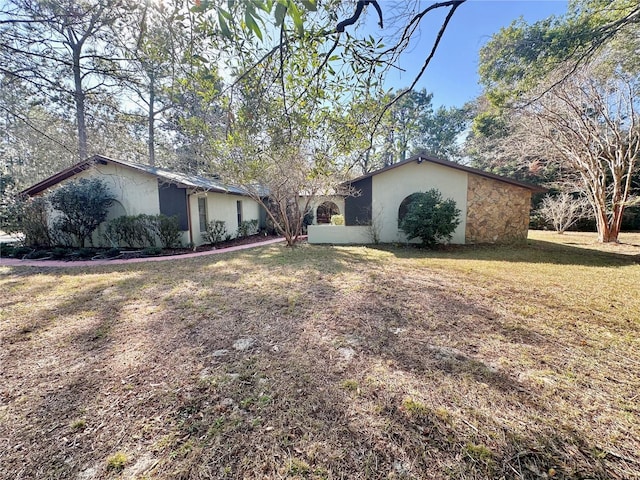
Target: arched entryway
point(325, 211)
point(404, 207)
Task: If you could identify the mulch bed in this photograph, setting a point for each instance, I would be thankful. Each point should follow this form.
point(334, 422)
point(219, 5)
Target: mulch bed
point(231, 243)
point(103, 253)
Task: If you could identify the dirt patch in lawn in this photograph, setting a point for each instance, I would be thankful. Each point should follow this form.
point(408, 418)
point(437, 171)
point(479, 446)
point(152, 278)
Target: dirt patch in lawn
point(324, 363)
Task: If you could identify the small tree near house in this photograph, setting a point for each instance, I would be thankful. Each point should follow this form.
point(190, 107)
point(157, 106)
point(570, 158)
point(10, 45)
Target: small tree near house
point(430, 218)
point(283, 179)
point(82, 206)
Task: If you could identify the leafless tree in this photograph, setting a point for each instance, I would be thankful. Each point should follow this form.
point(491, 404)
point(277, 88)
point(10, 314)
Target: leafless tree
point(564, 210)
point(283, 180)
point(589, 124)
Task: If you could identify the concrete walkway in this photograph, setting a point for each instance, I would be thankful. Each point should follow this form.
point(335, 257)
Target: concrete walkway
point(14, 262)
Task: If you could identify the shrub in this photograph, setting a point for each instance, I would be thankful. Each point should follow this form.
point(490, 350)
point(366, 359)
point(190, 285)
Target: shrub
point(337, 219)
point(271, 228)
point(151, 251)
point(216, 232)
point(132, 231)
point(37, 254)
point(20, 252)
point(168, 230)
point(6, 250)
point(430, 218)
point(58, 253)
point(84, 252)
point(140, 231)
point(117, 461)
point(83, 205)
point(112, 252)
point(247, 228)
point(31, 220)
point(307, 219)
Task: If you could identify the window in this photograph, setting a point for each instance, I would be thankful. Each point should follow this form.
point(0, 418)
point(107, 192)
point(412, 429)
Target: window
point(173, 202)
point(239, 211)
point(202, 213)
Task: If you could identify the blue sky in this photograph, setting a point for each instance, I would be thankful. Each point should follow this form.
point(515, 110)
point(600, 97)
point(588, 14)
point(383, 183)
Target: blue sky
point(452, 76)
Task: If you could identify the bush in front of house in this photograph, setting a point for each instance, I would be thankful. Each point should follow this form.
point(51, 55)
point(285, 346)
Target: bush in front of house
point(133, 231)
point(247, 228)
point(168, 230)
point(307, 219)
point(32, 222)
point(6, 250)
point(337, 219)
point(216, 232)
point(82, 205)
point(27, 216)
point(141, 231)
point(430, 218)
point(151, 252)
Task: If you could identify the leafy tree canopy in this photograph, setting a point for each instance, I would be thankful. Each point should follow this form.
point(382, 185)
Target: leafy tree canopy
point(520, 56)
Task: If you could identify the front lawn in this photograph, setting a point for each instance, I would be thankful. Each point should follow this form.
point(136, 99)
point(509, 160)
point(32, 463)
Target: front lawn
point(327, 363)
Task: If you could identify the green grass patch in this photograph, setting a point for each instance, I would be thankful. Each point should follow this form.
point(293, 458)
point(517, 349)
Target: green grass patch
point(117, 461)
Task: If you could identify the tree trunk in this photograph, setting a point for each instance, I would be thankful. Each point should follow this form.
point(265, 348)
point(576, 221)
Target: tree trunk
point(79, 100)
point(607, 233)
point(151, 121)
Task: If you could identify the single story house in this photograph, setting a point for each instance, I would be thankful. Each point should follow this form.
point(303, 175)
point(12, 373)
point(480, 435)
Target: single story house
point(144, 189)
point(494, 209)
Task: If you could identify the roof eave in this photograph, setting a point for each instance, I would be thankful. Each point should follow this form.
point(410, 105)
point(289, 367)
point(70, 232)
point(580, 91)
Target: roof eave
point(59, 177)
point(446, 163)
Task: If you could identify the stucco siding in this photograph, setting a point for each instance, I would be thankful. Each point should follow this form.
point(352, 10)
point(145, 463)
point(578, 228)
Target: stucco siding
point(497, 212)
point(390, 188)
point(137, 192)
point(223, 207)
point(339, 234)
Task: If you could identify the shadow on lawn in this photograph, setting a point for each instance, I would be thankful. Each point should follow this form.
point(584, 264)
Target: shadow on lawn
point(169, 384)
point(535, 251)
point(298, 412)
point(293, 405)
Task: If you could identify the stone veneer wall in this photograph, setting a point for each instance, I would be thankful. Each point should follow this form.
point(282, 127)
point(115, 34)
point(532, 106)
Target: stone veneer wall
point(497, 212)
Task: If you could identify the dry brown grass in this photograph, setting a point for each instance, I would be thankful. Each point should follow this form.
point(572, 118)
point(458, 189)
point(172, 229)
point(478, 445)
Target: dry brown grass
point(488, 362)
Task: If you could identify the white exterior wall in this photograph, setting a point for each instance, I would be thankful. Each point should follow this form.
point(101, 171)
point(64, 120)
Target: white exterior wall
point(317, 201)
point(339, 234)
point(136, 191)
point(221, 206)
point(390, 188)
